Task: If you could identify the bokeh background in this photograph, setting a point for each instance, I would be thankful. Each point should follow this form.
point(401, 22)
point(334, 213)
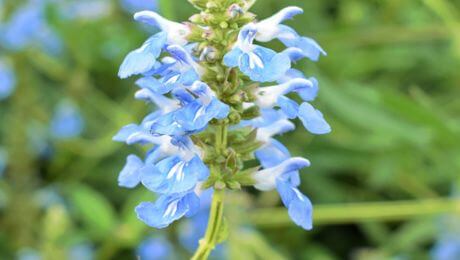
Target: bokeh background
point(384, 183)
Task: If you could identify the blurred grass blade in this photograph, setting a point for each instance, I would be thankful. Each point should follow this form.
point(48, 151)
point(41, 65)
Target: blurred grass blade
point(361, 212)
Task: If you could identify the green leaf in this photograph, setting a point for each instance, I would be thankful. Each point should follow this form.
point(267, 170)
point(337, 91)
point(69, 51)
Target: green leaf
point(93, 209)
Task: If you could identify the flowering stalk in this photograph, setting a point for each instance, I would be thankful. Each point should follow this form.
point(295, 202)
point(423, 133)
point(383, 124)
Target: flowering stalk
point(221, 99)
point(211, 238)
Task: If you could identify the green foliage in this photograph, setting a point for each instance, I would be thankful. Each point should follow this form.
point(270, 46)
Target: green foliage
point(389, 88)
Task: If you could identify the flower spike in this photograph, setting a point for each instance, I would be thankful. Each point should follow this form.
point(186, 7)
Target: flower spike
point(220, 100)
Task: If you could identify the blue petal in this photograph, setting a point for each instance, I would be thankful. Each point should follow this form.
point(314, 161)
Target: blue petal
point(154, 85)
point(155, 248)
point(133, 6)
point(290, 75)
point(22, 28)
point(446, 249)
point(313, 120)
point(309, 94)
point(266, 179)
point(294, 54)
point(299, 206)
point(284, 14)
point(264, 65)
point(289, 107)
point(67, 121)
point(232, 58)
point(126, 132)
point(272, 154)
point(195, 116)
point(166, 125)
point(309, 47)
point(189, 77)
point(173, 175)
point(167, 209)
point(130, 176)
point(143, 59)
point(7, 80)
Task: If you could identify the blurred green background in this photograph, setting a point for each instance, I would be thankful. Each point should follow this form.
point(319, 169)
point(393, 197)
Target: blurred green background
point(383, 183)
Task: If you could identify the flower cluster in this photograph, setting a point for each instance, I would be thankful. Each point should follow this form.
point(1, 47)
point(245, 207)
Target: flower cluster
point(220, 99)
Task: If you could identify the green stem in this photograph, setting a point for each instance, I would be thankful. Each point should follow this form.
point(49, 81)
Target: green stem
point(210, 240)
point(221, 137)
point(361, 212)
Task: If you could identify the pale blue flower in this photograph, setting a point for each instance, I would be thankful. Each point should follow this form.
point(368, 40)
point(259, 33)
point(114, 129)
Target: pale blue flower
point(84, 9)
point(7, 80)
point(168, 208)
point(199, 105)
point(67, 121)
point(81, 251)
point(27, 27)
point(286, 179)
point(447, 246)
point(143, 60)
point(176, 32)
point(133, 6)
point(155, 248)
point(299, 207)
point(28, 254)
point(174, 175)
point(266, 178)
point(446, 249)
point(173, 72)
point(272, 28)
point(258, 63)
point(130, 175)
point(313, 119)
point(275, 96)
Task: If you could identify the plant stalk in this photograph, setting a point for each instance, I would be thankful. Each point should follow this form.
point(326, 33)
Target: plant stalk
point(210, 239)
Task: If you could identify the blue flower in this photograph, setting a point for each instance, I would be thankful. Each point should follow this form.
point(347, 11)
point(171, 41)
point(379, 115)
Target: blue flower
point(278, 126)
point(26, 27)
point(174, 72)
point(144, 59)
point(67, 121)
point(168, 208)
point(130, 175)
point(446, 249)
point(313, 119)
point(28, 254)
point(155, 248)
point(266, 178)
point(269, 97)
point(133, 6)
point(81, 252)
point(174, 175)
point(447, 246)
point(199, 105)
point(84, 9)
point(176, 32)
point(7, 80)
point(299, 206)
point(258, 63)
point(281, 171)
point(272, 28)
